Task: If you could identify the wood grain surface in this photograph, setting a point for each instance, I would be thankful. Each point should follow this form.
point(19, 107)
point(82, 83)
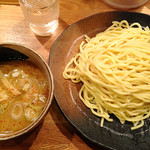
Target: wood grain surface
point(55, 133)
point(9, 2)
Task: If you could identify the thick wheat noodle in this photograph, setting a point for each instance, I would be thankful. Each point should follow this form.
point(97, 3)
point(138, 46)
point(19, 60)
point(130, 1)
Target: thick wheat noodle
point(114, 67)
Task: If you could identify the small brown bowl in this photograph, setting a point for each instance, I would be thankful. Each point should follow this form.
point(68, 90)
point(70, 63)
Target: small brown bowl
point(16, 51)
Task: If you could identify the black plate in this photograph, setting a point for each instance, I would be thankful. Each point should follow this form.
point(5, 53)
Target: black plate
point(112, 135)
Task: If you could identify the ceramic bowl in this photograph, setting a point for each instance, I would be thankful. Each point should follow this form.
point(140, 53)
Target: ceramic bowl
point(10, 51)
point(113, 135)
point(125, 4)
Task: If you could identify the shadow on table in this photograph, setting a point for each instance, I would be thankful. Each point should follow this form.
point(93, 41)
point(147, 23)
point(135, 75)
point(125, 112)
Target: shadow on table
point(69, 131)
point(47, 41)
point(23, 142)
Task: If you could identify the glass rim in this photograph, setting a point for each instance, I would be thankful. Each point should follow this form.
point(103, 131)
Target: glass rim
point(25, 4)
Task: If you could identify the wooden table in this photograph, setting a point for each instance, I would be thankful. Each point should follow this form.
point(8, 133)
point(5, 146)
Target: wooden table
point(55, 133)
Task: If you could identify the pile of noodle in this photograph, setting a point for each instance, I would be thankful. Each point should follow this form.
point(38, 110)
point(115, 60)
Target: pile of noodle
point(114, 67)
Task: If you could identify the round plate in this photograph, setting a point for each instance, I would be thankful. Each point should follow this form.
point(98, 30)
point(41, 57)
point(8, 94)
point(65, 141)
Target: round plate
point(112, 135)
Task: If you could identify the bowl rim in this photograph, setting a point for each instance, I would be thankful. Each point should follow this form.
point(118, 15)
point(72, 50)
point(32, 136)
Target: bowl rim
point(35, 123)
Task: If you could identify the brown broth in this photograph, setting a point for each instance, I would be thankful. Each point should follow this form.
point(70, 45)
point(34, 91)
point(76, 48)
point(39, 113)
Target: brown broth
point(21, 108)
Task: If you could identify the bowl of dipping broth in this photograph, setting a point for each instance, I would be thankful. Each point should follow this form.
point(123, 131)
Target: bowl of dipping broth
point(26, 90)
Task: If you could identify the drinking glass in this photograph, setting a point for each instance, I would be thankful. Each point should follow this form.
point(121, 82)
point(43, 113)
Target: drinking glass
point(41, 15)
